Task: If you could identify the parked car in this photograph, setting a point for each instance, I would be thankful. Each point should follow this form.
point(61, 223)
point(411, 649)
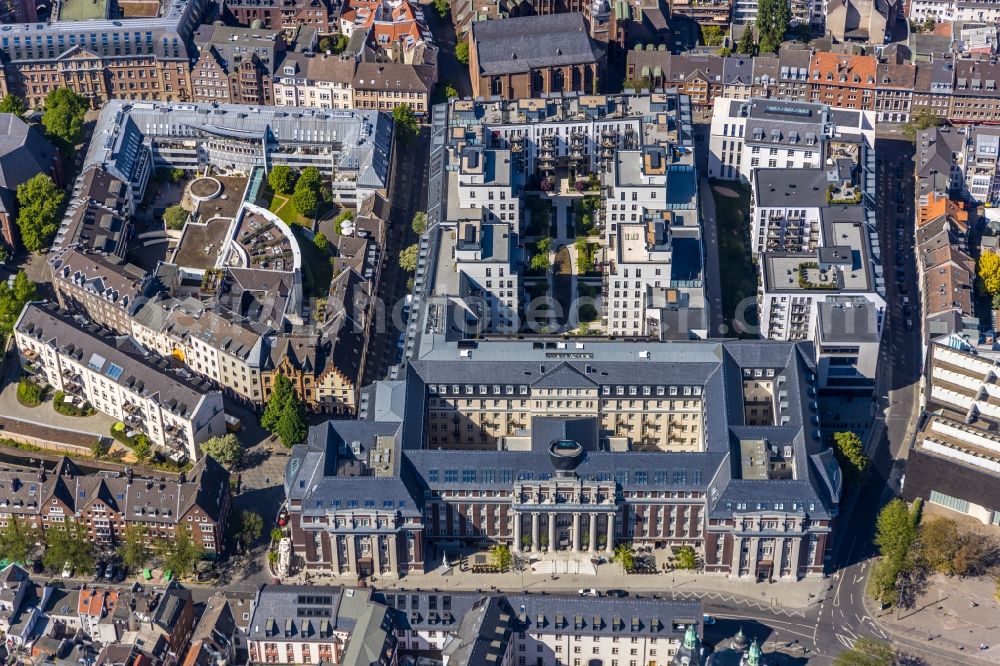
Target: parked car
point(909, 324)
point(67, 571)
point(588, 592)
point(616, 593)
point(109, 572)
point(707, 619)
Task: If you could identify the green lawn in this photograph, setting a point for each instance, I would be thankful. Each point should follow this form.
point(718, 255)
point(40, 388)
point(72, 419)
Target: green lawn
point(281, 206)
point(739, 277)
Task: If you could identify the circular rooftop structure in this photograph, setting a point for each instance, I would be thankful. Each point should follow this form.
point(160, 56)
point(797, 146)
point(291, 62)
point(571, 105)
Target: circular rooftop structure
point(565, 454)
point(205, 188)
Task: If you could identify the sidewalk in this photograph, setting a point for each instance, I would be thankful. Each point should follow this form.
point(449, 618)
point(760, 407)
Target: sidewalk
point(791, 597)
point(953, 614)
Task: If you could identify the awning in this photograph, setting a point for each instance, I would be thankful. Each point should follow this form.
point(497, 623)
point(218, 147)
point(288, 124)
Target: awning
point(645, 70)
point(658, 72)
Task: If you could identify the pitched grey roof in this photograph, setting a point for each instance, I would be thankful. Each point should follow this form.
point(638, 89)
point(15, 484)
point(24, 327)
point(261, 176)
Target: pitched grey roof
point(530, 42)
point(24, 152)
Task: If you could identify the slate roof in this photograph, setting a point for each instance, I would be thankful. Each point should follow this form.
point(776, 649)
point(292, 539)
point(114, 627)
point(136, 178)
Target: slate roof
point(521, 44)
point(24, 152)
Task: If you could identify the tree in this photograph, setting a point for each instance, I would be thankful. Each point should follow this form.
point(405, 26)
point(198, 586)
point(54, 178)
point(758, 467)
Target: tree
point(276, 534)
point(867, 652)
point(405, 123)
point(68, 544)
point(625, 556)
point(988, 269)
point(419, 223)
point(12, 104)
point(226, 449)
point(180, 553)
point(321, 243)
point(687, 558)
point(247, 528)
point(13, 299)
point(773, 17)
point(310, 178)
point(142, 449)
point(281, 179)
point(174, 217)
point(306, 201)
point(442, 7)
point(724, 52)
point(133, 549)
point(921, 118)
point(38, 201)
point(99, 448)
point(63, 117)
point(17, 540)
point(895, 533)
point(501, 557)
point(850, 453)
point(280, 395)
point(746, 44)
point(292, 427)
point(29, 393)
point(408, 258)
point(334, 45)
point(462, 52)
point(450, 91)
point(338, 222)
point(711, 35)
point(540, 259)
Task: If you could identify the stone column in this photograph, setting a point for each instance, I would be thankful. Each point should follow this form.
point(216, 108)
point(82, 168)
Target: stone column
point(794, 557)
point(611, 533)
point(352, 555)
point(552, 533)
point(593, 532)
point(752, 559)
point(516, 517)
point(376, 554)
point(736, 561)
point(576, 532)
point(335, 554)
point(534, 531)
point(393, 555)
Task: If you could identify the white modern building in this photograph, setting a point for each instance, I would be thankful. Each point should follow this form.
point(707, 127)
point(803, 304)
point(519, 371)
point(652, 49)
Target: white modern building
point(781, 134)
point(487, 258)
point(121, 379)
point(963, 11)
point(487, 180)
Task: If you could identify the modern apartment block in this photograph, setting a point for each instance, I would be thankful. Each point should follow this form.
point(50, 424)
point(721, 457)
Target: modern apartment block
point(174, 411)
point(633, 154)
point(569, 447)
point(108, 505)
point(781, 134)
point(961, 11)
point(953, 457)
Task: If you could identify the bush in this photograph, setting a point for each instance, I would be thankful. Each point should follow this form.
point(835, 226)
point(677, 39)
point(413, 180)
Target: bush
point(174, 217)
point(29, 393)
point(69, 410)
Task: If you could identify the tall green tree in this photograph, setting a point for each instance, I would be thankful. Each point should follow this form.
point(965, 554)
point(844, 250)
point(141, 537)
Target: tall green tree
point(419, 222)
point(12, 104)
point(280, 395)
point(69, 544)
point(281, 179)
point(711, 35)
point(501, 557)
point(63, 117)
point(174, 217)
point(773, 17)
point(988, 268)
point(247, 527)
point(462, 52)
point(17, 540)
point(625, 556)
point(134, 550)
point(405, 122)
point(310, 178)
point(38, 202)
point(306, 201)
point(850, 453)
point(747, 45)
point(225, 448)
point(180, 553)
point(292, 427)
point(12, 301)
point(895, 533)
point(408, 258)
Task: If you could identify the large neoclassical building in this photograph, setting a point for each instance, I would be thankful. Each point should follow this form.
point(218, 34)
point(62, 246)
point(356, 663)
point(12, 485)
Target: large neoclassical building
point(564, 449)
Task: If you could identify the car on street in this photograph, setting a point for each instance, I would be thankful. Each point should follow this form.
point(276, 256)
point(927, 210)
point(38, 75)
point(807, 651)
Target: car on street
point(588, 592)
point(707, 619)
point(67, 571)
point(109, 572)
point(909, 324)
point(616, 593)
point(902, 287)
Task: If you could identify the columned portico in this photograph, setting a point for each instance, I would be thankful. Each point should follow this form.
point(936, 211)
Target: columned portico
point(552, 533)
point(576, 532)
point(592, 544)
point(534, 532)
